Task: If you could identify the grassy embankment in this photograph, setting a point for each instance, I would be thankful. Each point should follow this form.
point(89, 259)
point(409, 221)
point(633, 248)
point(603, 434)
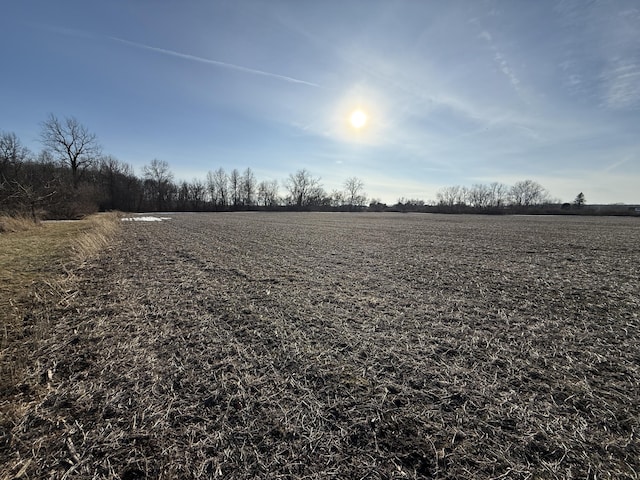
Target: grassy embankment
point(36, 264)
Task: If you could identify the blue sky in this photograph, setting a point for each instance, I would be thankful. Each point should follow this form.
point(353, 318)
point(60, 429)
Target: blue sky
point(455, 92)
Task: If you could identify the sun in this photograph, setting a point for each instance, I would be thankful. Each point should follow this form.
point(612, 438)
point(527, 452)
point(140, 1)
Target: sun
point(358, 119)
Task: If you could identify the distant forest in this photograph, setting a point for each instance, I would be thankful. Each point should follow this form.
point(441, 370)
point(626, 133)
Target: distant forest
point(72, 177)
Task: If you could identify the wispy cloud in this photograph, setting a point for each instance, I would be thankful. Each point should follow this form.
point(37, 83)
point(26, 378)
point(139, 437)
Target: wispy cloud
point(619, 163)
point(502, 62)
point(486, 36)
point(622, 84)
point(217, 63)
point(602, 60)
point(252, 71)
point(506, 69)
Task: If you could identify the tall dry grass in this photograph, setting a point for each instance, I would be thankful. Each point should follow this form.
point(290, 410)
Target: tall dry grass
point(99, 235)
point(12, 224)
point(36, 275)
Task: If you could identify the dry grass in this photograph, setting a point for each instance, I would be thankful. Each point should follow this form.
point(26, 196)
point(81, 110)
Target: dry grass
point(32, 253)
point(36, 265)
point(98, 235)
point(10, 224)
point(342, 346)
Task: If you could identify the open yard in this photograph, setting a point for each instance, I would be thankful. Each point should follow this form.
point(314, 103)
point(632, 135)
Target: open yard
point(364, 346)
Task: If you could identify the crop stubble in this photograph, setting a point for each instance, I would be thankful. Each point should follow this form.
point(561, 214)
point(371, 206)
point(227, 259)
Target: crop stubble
point(258, 345)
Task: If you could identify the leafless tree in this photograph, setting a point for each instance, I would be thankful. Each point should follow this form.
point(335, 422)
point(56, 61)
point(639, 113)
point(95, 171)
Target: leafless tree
point(479, 195)
point(235, 187)
point(197, 193)
point(498, 194)
point(182, 201)
point(72, 143)
point(159, 178)
point(304, 189)
point(118, 182)
point(212, 191)
point(191, 195)
point(353, 192)
point(32, 197)
point(12, 155)
point(218, 187)
point(337, 198)
point(268, 193)
point(452, 196)
point(222, 183)
point(248, 187)
point(527, 193)
point(45, 157)
point(318, 197)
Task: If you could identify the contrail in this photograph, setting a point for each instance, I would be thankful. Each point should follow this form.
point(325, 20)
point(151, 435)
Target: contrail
point(232, 66)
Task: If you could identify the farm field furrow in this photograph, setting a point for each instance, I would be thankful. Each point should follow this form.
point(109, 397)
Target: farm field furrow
point(311, 345)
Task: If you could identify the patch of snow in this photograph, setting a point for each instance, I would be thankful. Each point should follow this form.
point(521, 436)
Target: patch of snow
point(145, 219)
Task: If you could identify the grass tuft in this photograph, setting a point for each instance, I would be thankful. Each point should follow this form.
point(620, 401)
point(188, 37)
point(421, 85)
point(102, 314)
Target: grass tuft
point(10, 224)
point(99, 235)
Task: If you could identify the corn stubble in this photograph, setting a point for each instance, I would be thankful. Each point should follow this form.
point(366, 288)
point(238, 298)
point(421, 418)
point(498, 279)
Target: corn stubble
point(341, 346)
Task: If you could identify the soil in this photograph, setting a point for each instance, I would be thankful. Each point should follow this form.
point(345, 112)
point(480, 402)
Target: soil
point(367, 346)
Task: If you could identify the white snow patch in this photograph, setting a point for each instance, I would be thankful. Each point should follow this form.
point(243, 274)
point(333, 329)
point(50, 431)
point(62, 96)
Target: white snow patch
point(145, 219)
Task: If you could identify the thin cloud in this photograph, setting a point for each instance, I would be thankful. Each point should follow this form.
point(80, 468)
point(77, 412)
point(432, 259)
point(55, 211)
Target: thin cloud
point(217, 63)
point(623, 85)
point(617, 164)
point(240, 68)
point(506, 69)
point(501, 61)
point(486, 36)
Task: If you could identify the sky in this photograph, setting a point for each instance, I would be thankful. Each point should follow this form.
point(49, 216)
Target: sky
point(454, 92)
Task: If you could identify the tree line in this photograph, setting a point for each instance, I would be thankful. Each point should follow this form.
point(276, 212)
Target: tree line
point(71, 177)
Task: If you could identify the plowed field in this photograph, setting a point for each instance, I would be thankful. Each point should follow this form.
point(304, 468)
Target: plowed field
point(365, 346)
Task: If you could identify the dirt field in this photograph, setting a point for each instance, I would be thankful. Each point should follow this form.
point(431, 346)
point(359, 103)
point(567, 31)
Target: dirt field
point(362, 346)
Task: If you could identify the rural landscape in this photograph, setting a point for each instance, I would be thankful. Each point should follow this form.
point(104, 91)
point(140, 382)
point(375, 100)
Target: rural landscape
point(72, 177)
point(298, 240)
point(331, 345)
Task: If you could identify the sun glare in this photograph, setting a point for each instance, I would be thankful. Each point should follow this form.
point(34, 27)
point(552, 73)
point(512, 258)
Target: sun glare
point(358, 119)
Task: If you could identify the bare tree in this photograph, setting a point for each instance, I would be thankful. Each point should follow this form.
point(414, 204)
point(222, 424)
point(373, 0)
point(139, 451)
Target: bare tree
point(337, 198)
point(212, 191)
point(498, 194)
point(317, 197)
point(119, 184)
point(527, 193)
point(32, 197)
point(353, 192)
point(235, 187)
point(248, 187)
point(191, 195)
point(452, 196)
point(108, 172)
point(479, 195)
point(182, 203)
point(304, 189)
point(197, 193)
point(72, 143)
point(218, 187)
point(12, 154)
point(223, 186)
point(159, 179)
point(268, 193)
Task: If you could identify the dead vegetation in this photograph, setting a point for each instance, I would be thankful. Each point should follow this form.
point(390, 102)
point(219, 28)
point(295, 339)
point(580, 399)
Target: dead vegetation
point(12, 224)
point(36, 265)
point(342, 346)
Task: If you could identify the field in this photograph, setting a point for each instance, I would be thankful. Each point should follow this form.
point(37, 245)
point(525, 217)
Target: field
point(365, 346)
